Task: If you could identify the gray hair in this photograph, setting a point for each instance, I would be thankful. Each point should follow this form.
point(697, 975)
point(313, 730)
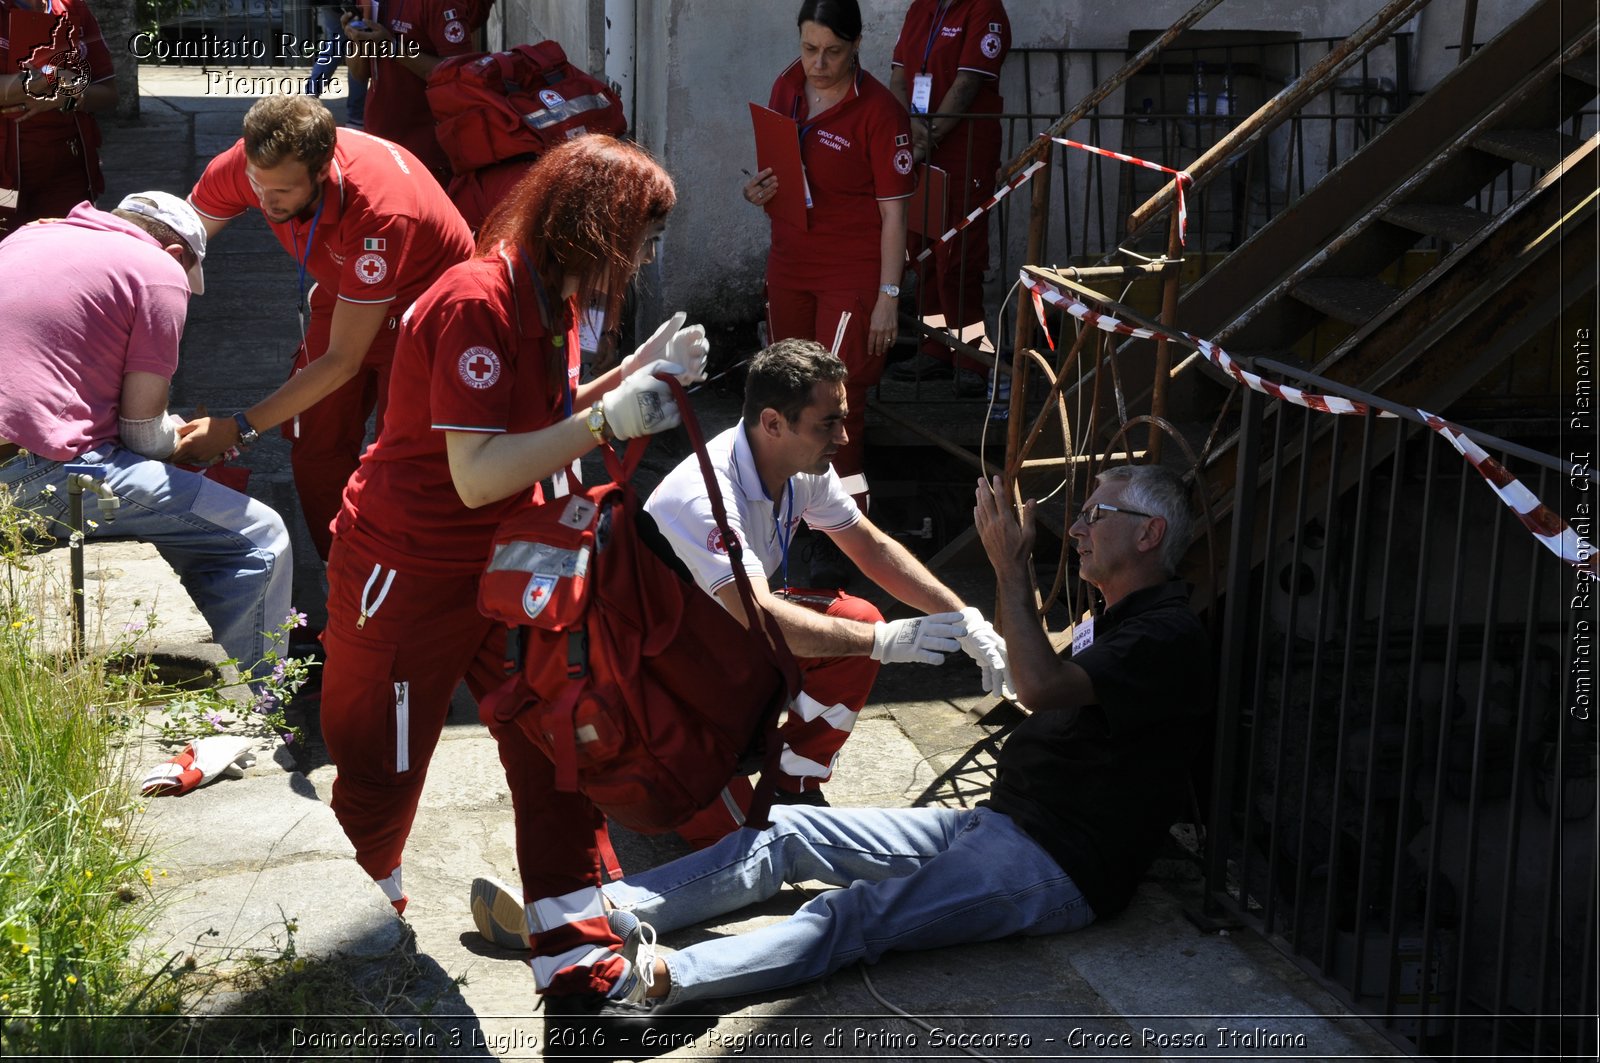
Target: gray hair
point(1159, 491)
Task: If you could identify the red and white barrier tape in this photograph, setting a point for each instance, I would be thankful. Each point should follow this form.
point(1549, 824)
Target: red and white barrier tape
point(981, 209)
point(1544, 523)
point(1214, 354)
point(1179, 177)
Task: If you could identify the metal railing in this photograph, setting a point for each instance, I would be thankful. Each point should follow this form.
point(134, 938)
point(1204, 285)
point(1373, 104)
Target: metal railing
point(1152, 113)
point(234, 33)
point(1405, 776)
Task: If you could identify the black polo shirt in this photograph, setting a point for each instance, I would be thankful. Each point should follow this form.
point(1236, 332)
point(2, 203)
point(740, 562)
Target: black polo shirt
point(1098, 787)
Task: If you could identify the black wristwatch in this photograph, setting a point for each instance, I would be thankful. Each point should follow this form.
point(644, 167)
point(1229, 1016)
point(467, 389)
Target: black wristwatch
point(247, 434)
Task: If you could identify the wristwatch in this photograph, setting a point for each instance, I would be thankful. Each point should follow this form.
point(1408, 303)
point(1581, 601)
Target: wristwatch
point(596, 423)
point(247, 434)
point(891, 290)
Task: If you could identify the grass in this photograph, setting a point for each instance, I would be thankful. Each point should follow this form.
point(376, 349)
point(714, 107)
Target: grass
point(79, 885)
point(72, 875)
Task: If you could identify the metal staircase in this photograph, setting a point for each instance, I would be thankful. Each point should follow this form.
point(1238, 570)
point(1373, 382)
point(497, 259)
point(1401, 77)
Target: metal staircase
point(1431, 175)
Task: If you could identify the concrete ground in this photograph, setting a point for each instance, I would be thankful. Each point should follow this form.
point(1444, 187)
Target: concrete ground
point(247, 856)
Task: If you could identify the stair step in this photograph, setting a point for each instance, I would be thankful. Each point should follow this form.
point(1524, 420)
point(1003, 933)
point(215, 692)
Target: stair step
point(1455, 224)
point(1536, 147)
point(1353, 300)
point(1582, 69)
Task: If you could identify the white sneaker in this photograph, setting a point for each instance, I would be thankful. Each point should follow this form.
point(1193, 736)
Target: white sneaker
point(639, 949)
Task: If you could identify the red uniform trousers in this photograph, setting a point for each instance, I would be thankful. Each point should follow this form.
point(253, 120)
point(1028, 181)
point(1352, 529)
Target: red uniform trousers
point(325, 441)
point(57, 172)
point(385, 697)
point(807, 315)
point(951, 281)
point(832, 693)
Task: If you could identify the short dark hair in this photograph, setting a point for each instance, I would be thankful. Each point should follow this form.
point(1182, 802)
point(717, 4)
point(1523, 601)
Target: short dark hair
point(782, 378)
point(843, 17)
point(278, 128)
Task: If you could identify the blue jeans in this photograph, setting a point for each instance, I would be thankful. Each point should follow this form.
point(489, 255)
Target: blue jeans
point(330, 51)
point(915, 878)
point(231, 552)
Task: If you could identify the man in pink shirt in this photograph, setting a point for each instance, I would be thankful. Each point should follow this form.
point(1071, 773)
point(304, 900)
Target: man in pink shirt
point(94, 307)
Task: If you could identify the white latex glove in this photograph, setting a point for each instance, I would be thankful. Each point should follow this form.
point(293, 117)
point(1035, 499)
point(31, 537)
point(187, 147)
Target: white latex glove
point(984, 645)
point(921, 639)
point(642, 405)
point(690, 349)
point(204, 760)
point(655, 348)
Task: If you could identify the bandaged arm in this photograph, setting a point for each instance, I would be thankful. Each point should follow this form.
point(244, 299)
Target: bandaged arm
point(142, 421)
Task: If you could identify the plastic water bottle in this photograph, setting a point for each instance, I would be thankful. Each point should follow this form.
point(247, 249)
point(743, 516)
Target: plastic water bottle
point(1226, 100)
point(999, 397)
point(1197, 96)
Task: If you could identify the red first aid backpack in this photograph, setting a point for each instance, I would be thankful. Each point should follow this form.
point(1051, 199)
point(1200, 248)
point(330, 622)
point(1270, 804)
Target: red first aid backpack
point(518, 104)
point(644, 692)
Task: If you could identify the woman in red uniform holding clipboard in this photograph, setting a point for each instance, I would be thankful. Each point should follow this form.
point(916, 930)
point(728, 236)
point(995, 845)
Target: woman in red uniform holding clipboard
point(855, 146)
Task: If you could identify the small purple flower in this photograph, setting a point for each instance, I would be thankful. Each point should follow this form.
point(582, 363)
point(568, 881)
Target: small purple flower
point(130, 627)
point(295, 618)
point(266, 703)
point(214, 719)
point(279, 670)
point(288, 738)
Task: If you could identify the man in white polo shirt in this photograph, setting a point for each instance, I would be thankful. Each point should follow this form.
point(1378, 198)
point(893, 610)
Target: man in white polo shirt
point(773, 468)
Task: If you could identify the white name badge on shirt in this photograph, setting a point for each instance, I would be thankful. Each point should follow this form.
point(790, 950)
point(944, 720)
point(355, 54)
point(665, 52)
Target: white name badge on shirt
point(921, 93)
point(1083, 634)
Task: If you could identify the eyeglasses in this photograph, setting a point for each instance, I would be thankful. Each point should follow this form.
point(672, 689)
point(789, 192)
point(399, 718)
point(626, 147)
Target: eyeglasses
point(1091, 514)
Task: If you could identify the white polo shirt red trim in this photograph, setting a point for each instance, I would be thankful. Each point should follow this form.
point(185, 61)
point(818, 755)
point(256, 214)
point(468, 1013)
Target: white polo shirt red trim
point(855, 153)
point(682, 511)
point(474, 355)
point(386, 230)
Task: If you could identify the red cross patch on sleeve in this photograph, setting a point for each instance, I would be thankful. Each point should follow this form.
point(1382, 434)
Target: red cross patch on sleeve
point(479, 368)
point(371, 268)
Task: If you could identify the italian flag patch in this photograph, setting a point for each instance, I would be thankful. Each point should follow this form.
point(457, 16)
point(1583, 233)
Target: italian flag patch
point(370, 244)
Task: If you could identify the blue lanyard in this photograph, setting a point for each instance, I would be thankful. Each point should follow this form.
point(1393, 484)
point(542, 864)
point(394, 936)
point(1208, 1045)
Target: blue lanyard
point(311, 235)
point(558, 341)
point(805, 127)
point(933, 33)
point(781, 530)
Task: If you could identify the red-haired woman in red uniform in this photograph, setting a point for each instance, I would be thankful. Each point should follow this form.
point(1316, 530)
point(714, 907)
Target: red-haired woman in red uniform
point(485, 403)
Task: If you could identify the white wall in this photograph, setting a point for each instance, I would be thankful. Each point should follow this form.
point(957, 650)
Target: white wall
point(699, 62)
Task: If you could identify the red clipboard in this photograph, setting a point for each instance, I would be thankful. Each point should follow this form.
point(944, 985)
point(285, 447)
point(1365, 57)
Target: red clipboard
point(925, 209)
point(778, 147)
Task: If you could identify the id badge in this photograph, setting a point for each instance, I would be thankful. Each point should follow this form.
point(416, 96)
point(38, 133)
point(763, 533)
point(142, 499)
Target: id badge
point(921, 93)
point(1083, 634)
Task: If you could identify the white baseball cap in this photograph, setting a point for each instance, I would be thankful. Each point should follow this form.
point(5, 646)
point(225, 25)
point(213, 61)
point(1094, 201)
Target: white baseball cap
point(182, 219)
